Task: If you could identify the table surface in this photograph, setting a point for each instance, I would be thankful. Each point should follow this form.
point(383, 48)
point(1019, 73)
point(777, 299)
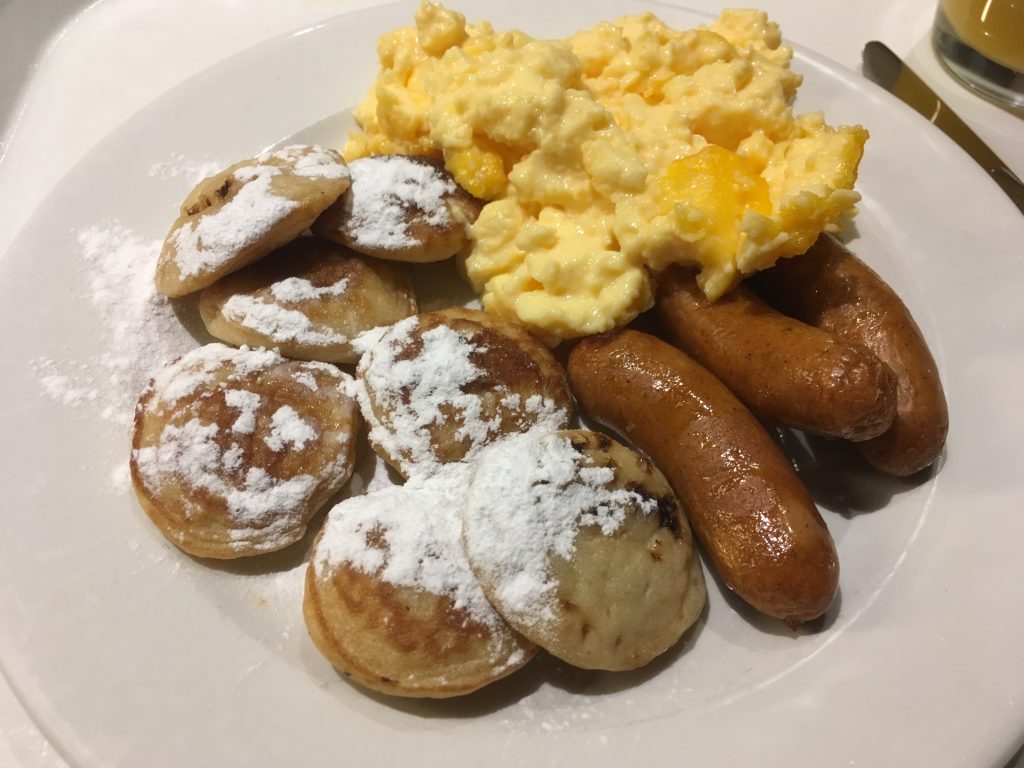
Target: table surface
point(53, 109)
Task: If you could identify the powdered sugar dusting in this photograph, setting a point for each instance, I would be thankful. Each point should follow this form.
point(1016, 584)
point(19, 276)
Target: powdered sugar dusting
point(281, 318)
point(140, 330)
point(278, 323)
point(413, 391)
point(194, 454)
point(296, 289)
point(528, 498)
point(198, 367)
point(307, 380)
point(264, 496)
point(179, 166)
point(386, 192)
point(248, 404)
point(63, 388)
point(208, 242)
point(190, 454)
point(288, 429)
point(408, 536)
point(312, 161)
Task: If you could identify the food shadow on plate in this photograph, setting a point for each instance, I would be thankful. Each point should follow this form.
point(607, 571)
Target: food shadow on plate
point(763, 623)
point(545, 669)
point(294, 555)
point(495, 697)
point(441, 285)
point(186, 309)
point(848, 231)
point(595, 682)
point(838, 478)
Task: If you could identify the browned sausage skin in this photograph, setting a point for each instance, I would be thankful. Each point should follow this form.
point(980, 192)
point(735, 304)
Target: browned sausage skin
point(832, 289)
point(754, 518)
point(783, 369)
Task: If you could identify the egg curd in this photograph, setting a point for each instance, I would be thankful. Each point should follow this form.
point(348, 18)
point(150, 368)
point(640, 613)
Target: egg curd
point(612, 154)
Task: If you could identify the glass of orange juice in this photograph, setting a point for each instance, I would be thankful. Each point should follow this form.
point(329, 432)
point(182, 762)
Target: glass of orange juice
point(982, 43)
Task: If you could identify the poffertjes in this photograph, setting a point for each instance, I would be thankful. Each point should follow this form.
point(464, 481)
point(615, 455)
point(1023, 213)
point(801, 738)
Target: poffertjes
point(309, 299)
point(390, 599)
point(234, 450)
point(401, 208)
point(582, 546)
point(244, 212)
point(438, 387)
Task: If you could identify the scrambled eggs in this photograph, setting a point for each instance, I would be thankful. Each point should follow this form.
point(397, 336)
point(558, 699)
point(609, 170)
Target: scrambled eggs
point(625, 148)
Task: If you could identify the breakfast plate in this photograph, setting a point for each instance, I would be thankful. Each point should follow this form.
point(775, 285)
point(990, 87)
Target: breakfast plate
point(127, 652)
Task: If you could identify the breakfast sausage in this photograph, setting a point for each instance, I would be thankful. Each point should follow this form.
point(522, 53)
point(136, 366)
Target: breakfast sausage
point(832, 289)
point(756, 521)
point(785, 370)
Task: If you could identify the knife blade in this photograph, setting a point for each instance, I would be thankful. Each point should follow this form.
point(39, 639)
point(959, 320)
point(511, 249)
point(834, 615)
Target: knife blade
point(885, 68)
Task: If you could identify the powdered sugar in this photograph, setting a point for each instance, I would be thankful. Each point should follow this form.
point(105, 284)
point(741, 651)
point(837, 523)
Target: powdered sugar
point(281, 323)
point(190, 454)
point(308, 380)
point(390, 190)
point(296, 289)
point(140, 330)
point(264, 496)
point(248, 404)
point(277, 323)
point(65, 389)
point(434, 378)
point(408, 536)
point(288, 429)
point(212, 240)
point(206, 243)
point(427, 390)
point(179, 166)
point(311, 161)
point(528, 498)
point(199, 367)
point(194, 454)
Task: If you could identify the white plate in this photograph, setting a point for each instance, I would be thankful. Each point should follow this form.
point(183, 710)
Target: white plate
point(129, 653)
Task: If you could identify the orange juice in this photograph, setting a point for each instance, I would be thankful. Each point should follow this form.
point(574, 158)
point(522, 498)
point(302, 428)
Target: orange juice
point(994, 28)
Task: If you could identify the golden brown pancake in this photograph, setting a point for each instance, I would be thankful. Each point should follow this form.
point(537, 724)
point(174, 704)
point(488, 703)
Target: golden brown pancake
point(309, 300)
point(391, 601)
point(437, 387)
point(234, 450)
point(246, 211)
point(581, 545)
point(402, 208)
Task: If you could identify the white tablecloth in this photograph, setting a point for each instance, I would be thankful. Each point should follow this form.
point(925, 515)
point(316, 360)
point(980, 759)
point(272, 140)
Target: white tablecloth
point(70, 72)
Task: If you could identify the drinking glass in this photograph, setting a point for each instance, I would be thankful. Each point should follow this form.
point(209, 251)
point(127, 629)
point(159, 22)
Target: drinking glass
point(982, 43)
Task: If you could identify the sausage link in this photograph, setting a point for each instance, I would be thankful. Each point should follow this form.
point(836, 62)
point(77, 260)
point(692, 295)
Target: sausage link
point(785, 370)
point(832, 289)
point(754, 518)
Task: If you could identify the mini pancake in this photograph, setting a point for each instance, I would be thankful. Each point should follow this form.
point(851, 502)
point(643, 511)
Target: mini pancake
point(437, 387)
point(246, 211)
point(402, 208)
point(308, 300)
point(234, 450)
point(391, 601)
point(581, 545)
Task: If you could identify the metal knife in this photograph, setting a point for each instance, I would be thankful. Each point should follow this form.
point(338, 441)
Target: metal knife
point(884, 67)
